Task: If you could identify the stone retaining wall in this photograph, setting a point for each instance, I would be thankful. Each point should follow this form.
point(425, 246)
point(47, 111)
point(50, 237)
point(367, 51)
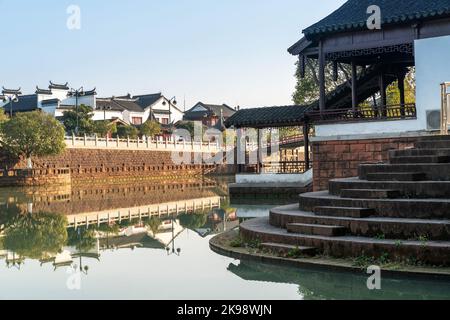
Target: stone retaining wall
point(34, 177)
point(102, 165)
point(340, 158)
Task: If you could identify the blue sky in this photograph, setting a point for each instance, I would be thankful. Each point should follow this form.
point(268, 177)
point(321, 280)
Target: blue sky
point(216, 51)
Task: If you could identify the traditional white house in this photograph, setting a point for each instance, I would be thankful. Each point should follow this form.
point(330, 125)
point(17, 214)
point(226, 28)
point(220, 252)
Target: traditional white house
point(58, 98)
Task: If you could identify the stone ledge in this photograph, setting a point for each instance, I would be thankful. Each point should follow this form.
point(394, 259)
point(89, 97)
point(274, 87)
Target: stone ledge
point(217, 244)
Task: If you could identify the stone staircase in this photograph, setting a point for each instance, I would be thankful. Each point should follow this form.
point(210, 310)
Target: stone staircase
point(399, 209)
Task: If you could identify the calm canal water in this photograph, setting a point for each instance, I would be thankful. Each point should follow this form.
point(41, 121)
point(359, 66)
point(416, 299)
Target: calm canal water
point(98, 242)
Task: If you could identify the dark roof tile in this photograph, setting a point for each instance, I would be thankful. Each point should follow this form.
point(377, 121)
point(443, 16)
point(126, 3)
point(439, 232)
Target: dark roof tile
point(353, 14)
point(268, 116)
point(25, 103)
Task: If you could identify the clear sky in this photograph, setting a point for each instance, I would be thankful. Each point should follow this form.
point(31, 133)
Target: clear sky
point(216, 51)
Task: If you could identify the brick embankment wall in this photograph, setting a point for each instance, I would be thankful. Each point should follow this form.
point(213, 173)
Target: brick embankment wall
point(341, 158)
point(102, 165)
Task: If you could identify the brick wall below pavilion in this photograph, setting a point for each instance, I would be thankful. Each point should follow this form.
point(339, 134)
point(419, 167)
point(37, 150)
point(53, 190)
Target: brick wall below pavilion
point(341, 158)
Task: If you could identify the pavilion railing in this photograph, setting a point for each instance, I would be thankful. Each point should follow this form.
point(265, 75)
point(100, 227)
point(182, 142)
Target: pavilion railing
point(383, 113)
point(285, 167)
point(279, 167)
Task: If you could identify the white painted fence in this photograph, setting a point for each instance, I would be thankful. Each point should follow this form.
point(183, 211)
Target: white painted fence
point(141, 144)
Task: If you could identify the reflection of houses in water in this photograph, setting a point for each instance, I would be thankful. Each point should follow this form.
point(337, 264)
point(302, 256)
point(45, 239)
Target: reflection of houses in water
point(139, 236)
point(219, 220)
point(128, 225)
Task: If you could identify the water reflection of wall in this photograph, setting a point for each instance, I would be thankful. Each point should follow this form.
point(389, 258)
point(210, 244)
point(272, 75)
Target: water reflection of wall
point(316, 284)
point(99, 198)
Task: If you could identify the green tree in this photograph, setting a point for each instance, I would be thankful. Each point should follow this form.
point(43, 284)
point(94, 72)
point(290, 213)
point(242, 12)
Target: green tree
point(127, 131)
point(150, 129)
point(104, 127)
point(187, 125)
point(3, 116)
point(33, 134)
point(193, 221)
point(307, 88)
point(83, 239)
point(154, 223)
point(35, 235)
point(85, 122)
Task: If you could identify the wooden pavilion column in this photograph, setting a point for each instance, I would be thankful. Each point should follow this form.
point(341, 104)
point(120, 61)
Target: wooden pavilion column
point(401, 89)
point(354, 88)
point(306, 144)
point(322, 93)
point(258, 155)
point(382, 84)
point(238, 157)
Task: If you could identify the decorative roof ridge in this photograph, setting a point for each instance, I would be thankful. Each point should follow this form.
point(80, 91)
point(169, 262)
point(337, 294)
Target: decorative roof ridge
point(11, 91)
point(147, 95)
point(59, 86)
point(39, 90)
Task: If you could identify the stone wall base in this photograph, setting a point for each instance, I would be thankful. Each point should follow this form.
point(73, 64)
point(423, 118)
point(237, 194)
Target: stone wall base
point(341, 158)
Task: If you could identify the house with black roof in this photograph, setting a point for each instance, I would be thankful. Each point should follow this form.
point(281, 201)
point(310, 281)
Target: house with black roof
point(55, 100)
point(138, 109)
point(58, 98)
point(211, 115)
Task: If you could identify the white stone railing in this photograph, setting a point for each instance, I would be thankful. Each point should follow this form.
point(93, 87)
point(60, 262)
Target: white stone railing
point(140, 144)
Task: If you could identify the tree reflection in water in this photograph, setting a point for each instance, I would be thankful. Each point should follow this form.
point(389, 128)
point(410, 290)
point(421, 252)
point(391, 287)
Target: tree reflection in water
point(34, 235)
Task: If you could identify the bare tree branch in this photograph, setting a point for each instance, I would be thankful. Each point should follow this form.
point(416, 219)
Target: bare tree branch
point(313, 71)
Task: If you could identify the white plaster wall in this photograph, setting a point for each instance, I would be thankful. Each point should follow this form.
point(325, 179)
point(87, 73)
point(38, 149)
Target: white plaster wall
point(432, 69)
point(100, 115)
point(65, 100)
point(373, 127)
point(177, 115)
point(300, 179)
point(51, 109)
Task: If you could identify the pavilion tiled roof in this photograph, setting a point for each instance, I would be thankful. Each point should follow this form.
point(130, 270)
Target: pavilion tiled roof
point(268, 116)
point(353, 14)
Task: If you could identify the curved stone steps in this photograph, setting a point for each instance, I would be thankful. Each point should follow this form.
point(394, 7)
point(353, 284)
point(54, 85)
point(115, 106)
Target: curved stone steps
point(433, 144)
point(356, 193)
point(408, 189)
point(432, 252)
point(394, 208)
point(419, 159)
point(287, 249)
point(433, 171)
point(393, 228)
point(419, 152)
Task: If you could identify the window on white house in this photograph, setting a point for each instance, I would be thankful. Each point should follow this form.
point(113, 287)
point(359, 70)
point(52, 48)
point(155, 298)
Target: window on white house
point(136, 120)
